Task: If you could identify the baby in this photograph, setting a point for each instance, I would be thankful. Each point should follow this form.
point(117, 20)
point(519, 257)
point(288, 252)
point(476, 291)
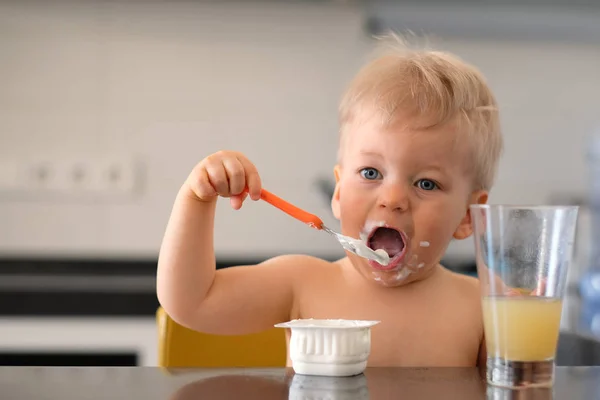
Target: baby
point(419, 142)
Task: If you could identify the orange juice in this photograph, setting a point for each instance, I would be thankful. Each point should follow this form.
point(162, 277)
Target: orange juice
point(522, 328)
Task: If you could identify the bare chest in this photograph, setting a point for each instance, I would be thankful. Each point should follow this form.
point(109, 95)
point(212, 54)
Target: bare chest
point(414, 330)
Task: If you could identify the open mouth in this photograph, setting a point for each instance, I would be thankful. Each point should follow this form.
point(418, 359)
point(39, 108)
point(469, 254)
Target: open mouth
point(392, 241)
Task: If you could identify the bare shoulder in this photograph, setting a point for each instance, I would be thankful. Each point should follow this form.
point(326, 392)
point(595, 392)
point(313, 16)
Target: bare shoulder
point(299, 268)
point(299, 262)
point(284, 270)
point(466, 281)
point(464, 286)
point(305, 270)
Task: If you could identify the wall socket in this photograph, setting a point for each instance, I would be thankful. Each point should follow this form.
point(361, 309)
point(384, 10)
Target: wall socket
point(84, 178)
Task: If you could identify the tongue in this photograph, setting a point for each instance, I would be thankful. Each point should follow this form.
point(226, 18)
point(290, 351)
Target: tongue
point(388, 240)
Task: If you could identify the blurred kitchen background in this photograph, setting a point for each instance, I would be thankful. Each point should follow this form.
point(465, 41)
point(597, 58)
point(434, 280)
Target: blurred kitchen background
point(105, 107)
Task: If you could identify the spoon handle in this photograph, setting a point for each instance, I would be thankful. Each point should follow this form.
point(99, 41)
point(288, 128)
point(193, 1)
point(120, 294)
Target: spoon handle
point(290, 209)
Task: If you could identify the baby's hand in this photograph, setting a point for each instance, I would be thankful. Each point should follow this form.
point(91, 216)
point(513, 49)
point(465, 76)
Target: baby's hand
point(226, 174)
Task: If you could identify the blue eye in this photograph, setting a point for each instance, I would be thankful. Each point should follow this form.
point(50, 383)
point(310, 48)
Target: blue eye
point(426, 184)
point(370, 173)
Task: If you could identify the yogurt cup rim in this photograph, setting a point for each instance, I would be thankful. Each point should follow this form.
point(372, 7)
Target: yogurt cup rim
point(314, 323)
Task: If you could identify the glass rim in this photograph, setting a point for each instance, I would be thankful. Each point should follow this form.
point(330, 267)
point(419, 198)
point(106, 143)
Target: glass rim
point(523, 207)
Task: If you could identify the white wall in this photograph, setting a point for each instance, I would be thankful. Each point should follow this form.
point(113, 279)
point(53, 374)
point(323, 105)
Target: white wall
point(169, 83)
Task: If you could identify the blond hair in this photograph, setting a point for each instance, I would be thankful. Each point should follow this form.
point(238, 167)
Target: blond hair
point(425, 89)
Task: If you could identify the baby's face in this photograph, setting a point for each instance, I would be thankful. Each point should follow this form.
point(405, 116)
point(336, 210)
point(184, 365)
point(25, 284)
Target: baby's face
point(405, 192)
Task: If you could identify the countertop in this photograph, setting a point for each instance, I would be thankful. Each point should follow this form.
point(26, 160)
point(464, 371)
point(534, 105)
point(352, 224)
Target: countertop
point(34, 383)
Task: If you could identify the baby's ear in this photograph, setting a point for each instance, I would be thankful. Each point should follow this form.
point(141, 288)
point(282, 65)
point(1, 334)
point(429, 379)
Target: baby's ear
point(465, 229)
point(335, 200)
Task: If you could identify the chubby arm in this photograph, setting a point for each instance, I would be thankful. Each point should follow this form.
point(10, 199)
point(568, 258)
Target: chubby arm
point(186, 262)
point(248, 299)
point(235, 300)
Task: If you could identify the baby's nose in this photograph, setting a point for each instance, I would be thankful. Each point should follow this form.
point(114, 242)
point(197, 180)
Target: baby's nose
point(394, 197)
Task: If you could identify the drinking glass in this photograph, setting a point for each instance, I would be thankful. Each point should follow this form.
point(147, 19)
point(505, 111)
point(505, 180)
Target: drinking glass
point(523, 254)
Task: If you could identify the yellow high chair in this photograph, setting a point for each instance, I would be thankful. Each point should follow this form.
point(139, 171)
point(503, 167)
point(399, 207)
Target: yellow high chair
point(180, 347)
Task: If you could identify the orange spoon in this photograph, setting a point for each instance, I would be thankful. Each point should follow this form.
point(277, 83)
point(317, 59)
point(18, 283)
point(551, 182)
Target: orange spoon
point(290, 209)
point(356, 246)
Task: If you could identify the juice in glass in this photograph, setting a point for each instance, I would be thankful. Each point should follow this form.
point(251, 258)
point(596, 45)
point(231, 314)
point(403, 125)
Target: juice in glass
point(522, 328)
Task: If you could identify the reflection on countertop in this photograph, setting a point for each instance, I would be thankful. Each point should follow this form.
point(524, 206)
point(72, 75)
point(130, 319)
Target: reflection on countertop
point(271, 384)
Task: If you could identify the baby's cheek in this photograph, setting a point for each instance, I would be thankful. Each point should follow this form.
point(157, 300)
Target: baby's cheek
point(350, 216)
point(427, 253)
point(351, 206)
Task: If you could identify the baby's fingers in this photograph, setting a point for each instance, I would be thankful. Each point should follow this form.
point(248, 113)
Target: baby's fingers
point(218, 178)
point(253, 182)
point(236, 175)
point(237, 200)
point(202, 187)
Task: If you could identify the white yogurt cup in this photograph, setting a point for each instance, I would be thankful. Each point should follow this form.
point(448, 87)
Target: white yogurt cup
point(329, 347)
